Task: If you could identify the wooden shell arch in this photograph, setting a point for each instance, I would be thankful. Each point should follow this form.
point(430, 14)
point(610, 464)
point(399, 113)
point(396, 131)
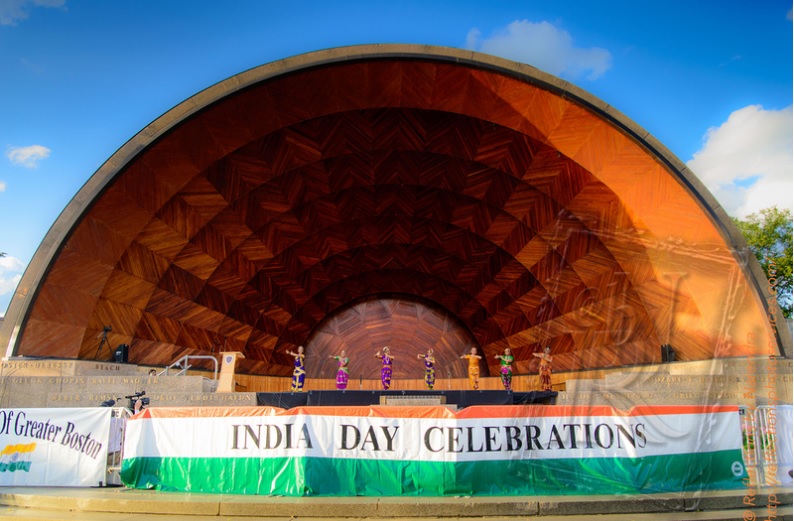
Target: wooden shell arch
point(527, 209)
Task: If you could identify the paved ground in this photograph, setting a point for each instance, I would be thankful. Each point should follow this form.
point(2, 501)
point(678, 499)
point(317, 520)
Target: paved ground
point(121, 504)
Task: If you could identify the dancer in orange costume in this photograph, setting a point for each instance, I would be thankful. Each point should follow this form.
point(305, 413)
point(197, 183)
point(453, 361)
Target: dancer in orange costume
point(474, 368)
point(545, 368)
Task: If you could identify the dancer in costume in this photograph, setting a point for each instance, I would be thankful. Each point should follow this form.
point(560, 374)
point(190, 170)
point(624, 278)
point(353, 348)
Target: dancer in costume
point(299, 373)
point(430, 371)
point(506, 368)
point(474, 368)
point(545, 368)
point(342, 374)
point(385, 369)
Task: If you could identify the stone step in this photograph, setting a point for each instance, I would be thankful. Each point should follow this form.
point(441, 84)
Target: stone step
point(21, 366)
point(584, 385)
point(768, 387)
point(724, 366)
point(623, 399)
point(156, 399)
point(759, 365)
point(650, 380)
point(46, 391)
point(653, 381)
point(92, 504)
point(687, 374)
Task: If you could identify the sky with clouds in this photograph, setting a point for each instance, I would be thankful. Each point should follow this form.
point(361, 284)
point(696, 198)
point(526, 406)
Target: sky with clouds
point(712, 81)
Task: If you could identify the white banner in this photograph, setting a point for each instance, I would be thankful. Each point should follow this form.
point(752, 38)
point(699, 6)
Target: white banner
point(54, 447)
point(415, 450)
point(161, 432)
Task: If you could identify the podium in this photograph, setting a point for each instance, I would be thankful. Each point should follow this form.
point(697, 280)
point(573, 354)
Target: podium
point(228, 364)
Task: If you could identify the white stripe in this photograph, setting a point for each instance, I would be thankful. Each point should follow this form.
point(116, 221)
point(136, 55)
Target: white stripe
point(433, 439)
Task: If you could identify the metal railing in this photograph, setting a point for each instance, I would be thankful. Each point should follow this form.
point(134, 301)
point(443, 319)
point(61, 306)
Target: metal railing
point(760, 443)
point(118, 427)
point(183, 364)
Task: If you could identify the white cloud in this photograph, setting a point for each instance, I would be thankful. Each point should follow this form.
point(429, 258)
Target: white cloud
point(544, 46)
point(747, 161)
point(28, 157)
point(2, 186)
point(12, 11)
point(11, 270)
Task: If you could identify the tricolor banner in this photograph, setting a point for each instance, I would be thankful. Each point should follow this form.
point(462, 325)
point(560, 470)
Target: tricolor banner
point(16, 457)
point(433, 451)
point(53, 447)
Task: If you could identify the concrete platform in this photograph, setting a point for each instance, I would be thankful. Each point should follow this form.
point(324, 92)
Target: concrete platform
point(121, 504)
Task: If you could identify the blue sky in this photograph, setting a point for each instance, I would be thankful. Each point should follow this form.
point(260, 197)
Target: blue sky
point(711, 80)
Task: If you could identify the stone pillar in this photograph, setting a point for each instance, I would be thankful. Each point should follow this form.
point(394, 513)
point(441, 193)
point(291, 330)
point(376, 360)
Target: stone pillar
point(228, 363)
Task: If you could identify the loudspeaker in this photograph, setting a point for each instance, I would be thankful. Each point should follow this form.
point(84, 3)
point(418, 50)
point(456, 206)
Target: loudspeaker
point(122, 353)
point(668, 355)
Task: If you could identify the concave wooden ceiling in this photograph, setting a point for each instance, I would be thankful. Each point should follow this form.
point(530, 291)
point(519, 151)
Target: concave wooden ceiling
point(276, 200)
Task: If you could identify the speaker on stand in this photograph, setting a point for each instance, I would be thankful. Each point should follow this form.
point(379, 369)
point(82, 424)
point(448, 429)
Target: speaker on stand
point(122, 354)
point(668, 355)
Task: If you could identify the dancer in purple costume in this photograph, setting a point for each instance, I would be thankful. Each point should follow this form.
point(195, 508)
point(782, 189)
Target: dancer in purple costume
point(430, 371)
point(299, 373)
point(385, 370)
point(343, 373)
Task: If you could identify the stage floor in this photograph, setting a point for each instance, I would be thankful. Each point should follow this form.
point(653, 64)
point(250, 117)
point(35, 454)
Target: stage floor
point(458, 399)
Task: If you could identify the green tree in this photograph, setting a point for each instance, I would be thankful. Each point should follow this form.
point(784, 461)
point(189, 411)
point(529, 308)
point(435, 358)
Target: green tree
point(768, 234)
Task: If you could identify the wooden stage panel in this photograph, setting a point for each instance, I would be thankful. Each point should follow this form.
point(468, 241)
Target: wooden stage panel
point(517, 205)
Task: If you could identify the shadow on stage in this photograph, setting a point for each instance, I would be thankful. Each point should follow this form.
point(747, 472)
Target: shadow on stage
point(459, 399)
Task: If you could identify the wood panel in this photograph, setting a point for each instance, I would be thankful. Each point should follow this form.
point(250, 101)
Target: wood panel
point(408, 326)
point(264, 220)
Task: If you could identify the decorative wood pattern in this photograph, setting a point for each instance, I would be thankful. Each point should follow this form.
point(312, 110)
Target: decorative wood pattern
point(407, 326)
point(285, 213)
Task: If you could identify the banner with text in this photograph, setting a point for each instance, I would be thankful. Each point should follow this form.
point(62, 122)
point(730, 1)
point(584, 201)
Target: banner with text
point(432, 451)
point(53, 447)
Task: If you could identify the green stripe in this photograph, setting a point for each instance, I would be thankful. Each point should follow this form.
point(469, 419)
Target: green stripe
point(13, 467)
point(348, 477)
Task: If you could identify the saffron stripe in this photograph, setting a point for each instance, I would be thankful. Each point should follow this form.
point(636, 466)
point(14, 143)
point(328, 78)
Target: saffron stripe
point(392, 411)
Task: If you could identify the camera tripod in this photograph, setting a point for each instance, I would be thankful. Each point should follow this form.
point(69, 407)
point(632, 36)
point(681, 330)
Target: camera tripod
point(104, 341)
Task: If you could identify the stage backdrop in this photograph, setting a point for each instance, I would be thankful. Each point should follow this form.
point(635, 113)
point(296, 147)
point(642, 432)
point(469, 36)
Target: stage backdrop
point(432, 451)
point(54, 447)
